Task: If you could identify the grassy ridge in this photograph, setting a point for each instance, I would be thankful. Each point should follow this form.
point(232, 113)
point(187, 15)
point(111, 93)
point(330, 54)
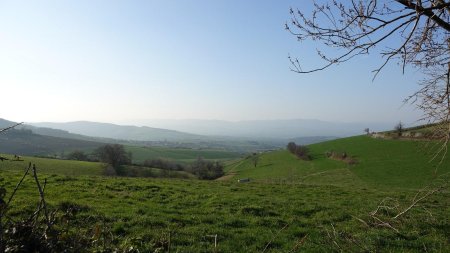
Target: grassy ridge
point(282, 165)
point(389, 163)
point(380, 163)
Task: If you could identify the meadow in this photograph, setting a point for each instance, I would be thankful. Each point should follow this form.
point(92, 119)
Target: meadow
point(180, 155)
point(289, 205)
point(53, 166)
point(380, 163)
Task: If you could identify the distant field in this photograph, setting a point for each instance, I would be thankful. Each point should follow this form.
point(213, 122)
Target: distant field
point(140, 154)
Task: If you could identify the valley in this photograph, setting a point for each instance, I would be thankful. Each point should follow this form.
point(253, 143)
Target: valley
point(288, 204)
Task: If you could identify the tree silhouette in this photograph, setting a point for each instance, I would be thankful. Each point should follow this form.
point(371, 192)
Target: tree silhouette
point(413, 33)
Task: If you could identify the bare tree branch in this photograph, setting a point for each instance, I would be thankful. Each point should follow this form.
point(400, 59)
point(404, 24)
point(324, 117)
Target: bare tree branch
point(413, 33)
point(11, 127)
point(429, 11)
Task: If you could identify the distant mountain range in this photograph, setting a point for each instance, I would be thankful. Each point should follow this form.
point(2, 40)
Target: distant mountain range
point(22, 140)
point(32, 140)
point(267, 129)
point(119, 132)
point(134, 135)
point(203, 130)
point(242, 136)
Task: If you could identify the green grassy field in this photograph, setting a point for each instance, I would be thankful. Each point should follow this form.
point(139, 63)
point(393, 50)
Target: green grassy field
point(388, 164)
point(81, 168)
point(53, 166)
point(140, 154)
point(290, 205)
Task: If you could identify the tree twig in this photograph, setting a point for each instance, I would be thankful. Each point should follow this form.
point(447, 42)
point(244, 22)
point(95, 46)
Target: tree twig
point(275, 236)
point(17, 186)
point(8, 128)
point(41, 193)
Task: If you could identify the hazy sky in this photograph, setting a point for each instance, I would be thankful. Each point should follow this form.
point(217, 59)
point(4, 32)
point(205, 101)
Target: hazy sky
point(120, 61)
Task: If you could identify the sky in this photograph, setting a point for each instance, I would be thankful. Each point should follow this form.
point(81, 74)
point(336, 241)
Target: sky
point(127, 61)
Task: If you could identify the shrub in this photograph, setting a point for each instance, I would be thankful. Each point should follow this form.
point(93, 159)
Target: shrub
point(77, 155)
point(163, 164)
point(206, 169)
point(342, 156)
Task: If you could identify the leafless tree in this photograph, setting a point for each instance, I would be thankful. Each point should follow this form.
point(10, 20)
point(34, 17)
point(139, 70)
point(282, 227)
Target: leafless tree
point(413, 33)
point(113, 154)
point(399, 128)
point(255, 159)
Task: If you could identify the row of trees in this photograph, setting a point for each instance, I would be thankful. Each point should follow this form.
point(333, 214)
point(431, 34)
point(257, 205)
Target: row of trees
point(300, 151)
point(116, 156)
point(399, 128)
point(113, 154)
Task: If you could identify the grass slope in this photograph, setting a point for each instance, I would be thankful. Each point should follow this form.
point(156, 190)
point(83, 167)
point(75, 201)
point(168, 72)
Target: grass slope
point(380, 163)
point(282, 166)
point(390, 163)
point(53, 166)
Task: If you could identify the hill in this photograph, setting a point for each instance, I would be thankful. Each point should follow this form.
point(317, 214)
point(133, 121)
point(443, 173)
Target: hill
point(46, 131)
point(152, 137)
point(263, 129)
point(25, 142)
point(107, 130)
point(39, 141)
point(379, 163)
point(28, 140)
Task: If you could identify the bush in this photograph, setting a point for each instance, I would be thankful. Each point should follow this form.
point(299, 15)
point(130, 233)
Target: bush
point(206, 169)
point(342, 156)
point(163, 164)
point(110, 171)
point(292, 147)
point(77, 155)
